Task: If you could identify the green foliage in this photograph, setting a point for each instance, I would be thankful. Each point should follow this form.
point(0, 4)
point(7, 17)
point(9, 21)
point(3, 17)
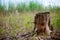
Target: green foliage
point(2, 8)
point(54, 8)
point(27, 19)
point(22, 7)
point(35, 6)
point(58, 23)
point(11, 7)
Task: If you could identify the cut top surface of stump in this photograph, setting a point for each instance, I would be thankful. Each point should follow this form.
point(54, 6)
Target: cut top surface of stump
point(42, 16)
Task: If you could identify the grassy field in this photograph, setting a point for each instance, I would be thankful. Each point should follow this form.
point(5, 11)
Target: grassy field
point(20, 20)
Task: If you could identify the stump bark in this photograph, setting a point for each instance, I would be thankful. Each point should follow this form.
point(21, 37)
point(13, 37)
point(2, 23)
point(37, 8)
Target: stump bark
point(42, 23)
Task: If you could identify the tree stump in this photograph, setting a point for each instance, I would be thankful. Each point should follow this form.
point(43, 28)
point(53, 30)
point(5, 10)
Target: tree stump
point(42, 23)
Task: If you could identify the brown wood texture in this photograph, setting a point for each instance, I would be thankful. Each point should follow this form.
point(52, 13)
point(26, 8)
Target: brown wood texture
point(40, 22)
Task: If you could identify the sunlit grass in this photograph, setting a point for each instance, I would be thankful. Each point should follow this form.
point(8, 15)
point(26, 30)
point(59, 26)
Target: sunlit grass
point(20, 19)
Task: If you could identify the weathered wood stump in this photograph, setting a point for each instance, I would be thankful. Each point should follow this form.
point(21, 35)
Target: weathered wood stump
point(42, 23)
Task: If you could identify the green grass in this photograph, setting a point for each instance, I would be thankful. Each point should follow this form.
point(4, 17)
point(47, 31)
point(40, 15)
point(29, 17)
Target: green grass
point(21, 21)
